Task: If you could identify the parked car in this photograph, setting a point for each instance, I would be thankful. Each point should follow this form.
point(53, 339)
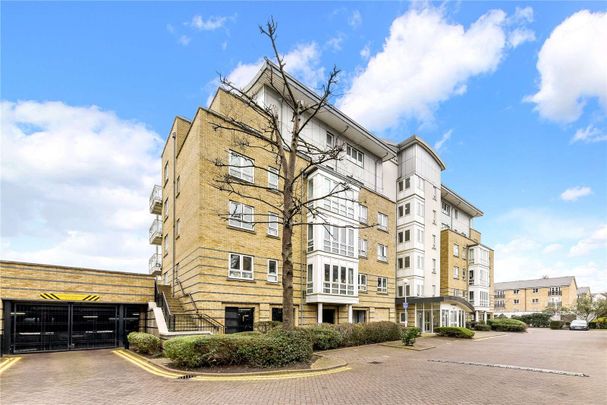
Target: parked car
point(578, 325)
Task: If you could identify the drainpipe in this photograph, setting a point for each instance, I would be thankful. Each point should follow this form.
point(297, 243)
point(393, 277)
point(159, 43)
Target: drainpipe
point(174, 136)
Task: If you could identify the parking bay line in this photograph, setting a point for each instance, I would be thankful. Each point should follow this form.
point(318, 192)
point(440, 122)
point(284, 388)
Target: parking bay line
point(507, 366)
point(8, 363)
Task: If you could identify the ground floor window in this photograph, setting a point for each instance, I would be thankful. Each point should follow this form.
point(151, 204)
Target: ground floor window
point(277, 314)
point(359, 316)
point(328, 315)
point(239, 319)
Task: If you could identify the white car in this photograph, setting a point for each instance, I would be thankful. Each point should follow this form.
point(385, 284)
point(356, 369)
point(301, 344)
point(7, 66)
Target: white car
point(578, 325)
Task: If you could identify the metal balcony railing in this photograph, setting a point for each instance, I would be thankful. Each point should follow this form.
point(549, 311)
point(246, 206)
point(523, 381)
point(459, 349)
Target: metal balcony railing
point(156, 200)
point(155, 263)
point(156, 232)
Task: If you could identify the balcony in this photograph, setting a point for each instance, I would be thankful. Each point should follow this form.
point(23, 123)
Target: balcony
point(155, 264)
point(156, 200)
point(156, 232)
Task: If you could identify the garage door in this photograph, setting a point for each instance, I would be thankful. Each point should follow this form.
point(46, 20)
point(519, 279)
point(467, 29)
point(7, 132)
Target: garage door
point(37, 327)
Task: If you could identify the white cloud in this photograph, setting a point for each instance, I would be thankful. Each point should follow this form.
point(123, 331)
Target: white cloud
point(365, 52)
point(551, 248)
point(302, 62)
point(573, 193)
point(335, 43)
point(355, 19)
point(597, 240)
point(184, 40)
point(210, 24)
point(519, 36)
point(572, 67)
point(425, 60)
point(523, 15)
point(590, 134)
point(446, 136)
point(75, 184)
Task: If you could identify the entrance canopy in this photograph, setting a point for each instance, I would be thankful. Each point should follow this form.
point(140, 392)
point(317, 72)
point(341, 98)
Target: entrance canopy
point(447, 299)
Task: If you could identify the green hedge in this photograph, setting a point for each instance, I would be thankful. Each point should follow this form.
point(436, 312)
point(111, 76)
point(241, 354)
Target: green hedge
point(507, 325)
point(266, 326)
point(482, 327)
point(453, 331)
point(323, 336)
point(556, 325)
point(599, 323)
point(408, 335)
point(274, 349)
point(328, 336)
point(536, 320)
point(144, 343)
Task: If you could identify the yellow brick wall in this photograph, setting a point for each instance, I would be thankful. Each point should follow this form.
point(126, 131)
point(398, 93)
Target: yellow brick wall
point(448, 261)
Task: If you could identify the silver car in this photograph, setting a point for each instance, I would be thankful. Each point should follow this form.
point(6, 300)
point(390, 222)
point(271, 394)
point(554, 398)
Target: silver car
point(578, 325)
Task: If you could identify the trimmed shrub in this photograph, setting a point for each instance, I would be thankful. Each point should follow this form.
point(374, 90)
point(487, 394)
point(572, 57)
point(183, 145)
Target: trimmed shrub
point(453, 331)
point(409, 334)
point(355, 334)
point(323, 336)
point(482, 327)
point(144, 343)
point(351, 334)
point(378, 332)
point(507, 325)
point(536, 320)
point(274, 349)
point(266, 326)
point(556, 325)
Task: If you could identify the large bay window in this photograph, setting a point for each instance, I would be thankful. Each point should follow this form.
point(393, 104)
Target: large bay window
point(339, 240)
point(338, 280)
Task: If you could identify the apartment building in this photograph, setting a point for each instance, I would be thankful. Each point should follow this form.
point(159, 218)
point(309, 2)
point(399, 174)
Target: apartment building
point(372, 256)
point(466, 263)
point(529, 296)
point(584, 292)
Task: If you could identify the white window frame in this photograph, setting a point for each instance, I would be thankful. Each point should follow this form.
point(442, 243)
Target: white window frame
point(363, 218)
point(362, 282)
point(456, 272)
point(382, 221)
point(355, 155)
point(272, 224)
point(330, 140)
point(455, 250)
point(273, 178)
point(363, 247)
point(382, 285)
point(177, 227)
point(273, 277)
point(240, 273)
point(237, 215)
point(166, 172)
point(382, 252)
point(240, 168)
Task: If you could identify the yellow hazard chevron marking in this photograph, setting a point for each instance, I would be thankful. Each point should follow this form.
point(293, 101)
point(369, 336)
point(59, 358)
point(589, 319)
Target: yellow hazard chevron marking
point(161, 372)
point(70, 297)
point(8, 363)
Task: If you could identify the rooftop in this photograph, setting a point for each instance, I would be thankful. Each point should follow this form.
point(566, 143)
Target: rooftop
point(583, 290)
point(459, 202)
point(538, 283)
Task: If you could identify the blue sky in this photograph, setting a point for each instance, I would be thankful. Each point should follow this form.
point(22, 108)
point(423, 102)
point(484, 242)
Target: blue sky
point(497, 82)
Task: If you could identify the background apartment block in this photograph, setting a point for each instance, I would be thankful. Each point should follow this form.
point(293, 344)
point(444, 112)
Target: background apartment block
point(529, 296)
point(350, 266)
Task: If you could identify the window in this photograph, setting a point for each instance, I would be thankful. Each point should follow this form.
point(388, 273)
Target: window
point(177, 228)
point(355, 155)
point(310, 237)
point(455, 250)
point(400, 291)
point(446, 208)
point(330, 140)
point(420, 209)
point(166, 244)
point(471, 297)
point(407, 208)
point(433, 266)
point(408, 182)
point(363, 214)
point(434, 193)
point(433, 241)
point(400, 211)
point(339, 240)
point(363, 247)
point(272, 270)
point(407, 262)
point(177, 186)
point(535, 300)
point(455, 212)
point(272, 224)
point(420, 262)
point(420, 290)
point(517, 301)
point(456, 272)
point(240, 167)
point(273, 178)
point(382, 221)
point(240, 215)
point(484, 298)
point(382, 284)
point(277, 314)
point(420, 184)
point(403, 317)
point(407, 235)
point(166, 208)
point(420, 236)
point(338, 280)
point(241, 266)
point(433, 290)
point(382, 252)
point(434, 217)
point(362, 282)
point(515, 291)
point(166, 172)
point(310, 279)
point(400, 237)
point(400, 186)
point(399, 262)
point(535, 290)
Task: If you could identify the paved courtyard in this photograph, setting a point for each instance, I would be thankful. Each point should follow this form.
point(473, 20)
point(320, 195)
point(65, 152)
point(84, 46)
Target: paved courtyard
point(379, 375)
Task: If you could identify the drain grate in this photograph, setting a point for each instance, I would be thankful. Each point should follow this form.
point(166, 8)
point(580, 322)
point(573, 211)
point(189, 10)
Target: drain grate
point(376, 362)
point(185, 377)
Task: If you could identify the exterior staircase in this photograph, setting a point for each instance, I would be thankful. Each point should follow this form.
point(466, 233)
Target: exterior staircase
point(180, 320)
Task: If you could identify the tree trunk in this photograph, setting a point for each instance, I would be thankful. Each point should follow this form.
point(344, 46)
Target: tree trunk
point(287, 277)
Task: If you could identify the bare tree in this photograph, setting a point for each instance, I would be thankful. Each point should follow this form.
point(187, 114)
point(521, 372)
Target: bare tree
point(288, 149)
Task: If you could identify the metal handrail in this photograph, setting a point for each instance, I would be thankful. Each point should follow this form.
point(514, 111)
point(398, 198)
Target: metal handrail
point(213, 322)
point(156, 195)
point(156, 227)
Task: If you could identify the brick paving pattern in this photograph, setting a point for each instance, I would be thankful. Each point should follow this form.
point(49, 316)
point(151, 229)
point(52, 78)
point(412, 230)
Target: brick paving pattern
point(401, 376)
